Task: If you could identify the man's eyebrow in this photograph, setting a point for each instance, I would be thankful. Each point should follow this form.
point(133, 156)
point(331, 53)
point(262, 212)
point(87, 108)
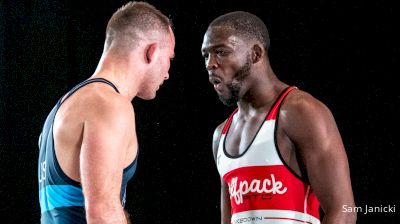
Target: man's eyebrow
point(212, 47)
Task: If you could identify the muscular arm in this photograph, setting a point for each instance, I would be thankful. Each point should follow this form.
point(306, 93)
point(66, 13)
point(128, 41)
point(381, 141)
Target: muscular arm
point(225, 202)
point(105, 140)
point(312, 129)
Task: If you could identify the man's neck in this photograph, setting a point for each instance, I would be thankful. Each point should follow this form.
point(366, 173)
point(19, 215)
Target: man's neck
point(119, 73)
point(261, 95)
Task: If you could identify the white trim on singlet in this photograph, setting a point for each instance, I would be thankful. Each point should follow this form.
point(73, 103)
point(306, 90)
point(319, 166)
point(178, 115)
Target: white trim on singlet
point(273, 217)
point(305, 199)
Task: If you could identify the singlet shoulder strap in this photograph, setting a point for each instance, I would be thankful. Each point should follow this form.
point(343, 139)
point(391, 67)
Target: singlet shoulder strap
point(84, 83)
point(275, 108)
point(229, 121)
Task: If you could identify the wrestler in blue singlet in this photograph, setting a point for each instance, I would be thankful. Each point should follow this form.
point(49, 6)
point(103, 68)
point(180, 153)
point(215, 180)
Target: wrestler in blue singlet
point(61, 198)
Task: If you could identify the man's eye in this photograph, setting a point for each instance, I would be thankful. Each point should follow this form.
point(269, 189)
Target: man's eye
point(205, 56)
point(221, 52)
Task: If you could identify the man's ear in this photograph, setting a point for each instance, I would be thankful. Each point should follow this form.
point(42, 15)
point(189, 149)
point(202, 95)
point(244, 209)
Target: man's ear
point(257, 53)
point(151, 52)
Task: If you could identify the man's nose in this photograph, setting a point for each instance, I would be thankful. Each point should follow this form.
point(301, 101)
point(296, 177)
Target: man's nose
point(211, 63)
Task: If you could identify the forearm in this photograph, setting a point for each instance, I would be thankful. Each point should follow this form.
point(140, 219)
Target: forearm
point(127, 216)
point(225, 217)
point(339, 216)
point(225, 208)
point(105, 213)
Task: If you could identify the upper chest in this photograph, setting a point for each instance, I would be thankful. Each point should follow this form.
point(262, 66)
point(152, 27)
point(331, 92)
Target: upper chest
point(242, 131)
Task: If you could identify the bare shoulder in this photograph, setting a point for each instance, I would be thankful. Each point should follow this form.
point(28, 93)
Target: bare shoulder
point(217, 137)
point(299, 101)
point(303, 113)
point(108, 119)
point(98, 103)
point(101, 101)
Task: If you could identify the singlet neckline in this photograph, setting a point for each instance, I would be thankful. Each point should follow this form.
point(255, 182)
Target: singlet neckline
point(284, 91)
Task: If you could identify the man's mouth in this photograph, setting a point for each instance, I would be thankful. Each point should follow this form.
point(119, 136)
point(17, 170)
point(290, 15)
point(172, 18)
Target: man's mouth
point(217, 83)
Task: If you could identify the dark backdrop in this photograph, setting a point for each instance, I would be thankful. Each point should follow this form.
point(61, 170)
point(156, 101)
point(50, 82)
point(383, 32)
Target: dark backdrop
point(343, 54)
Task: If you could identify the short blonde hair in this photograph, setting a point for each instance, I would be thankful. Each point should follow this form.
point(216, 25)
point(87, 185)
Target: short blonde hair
point(128, 24)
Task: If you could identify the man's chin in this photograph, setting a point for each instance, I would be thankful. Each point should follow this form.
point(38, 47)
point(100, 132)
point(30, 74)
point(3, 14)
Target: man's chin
point(227, 102)
point(147, 96)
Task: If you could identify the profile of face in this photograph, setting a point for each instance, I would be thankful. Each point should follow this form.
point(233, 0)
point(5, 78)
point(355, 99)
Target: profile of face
point(159, 71)
point(228, 62)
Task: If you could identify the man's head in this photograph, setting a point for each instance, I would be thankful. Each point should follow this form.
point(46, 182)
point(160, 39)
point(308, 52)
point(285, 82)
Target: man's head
point(139, 28)
point(232, 45)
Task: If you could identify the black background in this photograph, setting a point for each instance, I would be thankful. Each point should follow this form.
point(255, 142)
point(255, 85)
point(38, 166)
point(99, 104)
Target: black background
point(342, 53)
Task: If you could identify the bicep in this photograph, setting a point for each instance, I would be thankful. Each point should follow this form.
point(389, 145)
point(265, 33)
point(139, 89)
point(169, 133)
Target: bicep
point(225, 199)
point(105, 140)
point(318, 141)
point(225, 203)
